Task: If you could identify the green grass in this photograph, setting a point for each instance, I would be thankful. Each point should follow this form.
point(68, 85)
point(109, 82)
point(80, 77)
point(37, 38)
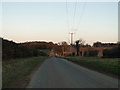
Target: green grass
point(47, 51)
point(101, 64)
point(15, 70)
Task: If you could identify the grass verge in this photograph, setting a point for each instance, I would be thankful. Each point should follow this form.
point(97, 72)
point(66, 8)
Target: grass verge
point(105, 65)
point(47, 51)
point(13, 71)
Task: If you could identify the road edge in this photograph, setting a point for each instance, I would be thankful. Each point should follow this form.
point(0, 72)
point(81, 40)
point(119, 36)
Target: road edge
point(25, 81)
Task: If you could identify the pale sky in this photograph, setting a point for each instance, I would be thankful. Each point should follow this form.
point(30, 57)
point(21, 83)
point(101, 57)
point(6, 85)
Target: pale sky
point(50, 21)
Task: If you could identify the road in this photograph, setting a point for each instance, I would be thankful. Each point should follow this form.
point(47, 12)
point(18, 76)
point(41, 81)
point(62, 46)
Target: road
point(60, 73)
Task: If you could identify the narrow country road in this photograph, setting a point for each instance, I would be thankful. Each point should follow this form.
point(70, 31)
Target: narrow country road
point(60, 73)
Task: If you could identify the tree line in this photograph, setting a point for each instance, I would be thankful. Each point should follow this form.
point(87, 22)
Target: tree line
point(107, 53)
point(12, 50)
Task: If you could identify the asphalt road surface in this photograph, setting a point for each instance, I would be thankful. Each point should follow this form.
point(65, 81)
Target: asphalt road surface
point(60, 73)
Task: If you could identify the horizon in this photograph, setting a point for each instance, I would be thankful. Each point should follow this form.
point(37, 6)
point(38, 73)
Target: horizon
point(48, 21)
point(53, 42)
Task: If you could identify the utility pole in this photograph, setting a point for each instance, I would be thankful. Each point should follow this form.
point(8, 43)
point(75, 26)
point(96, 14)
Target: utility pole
point(71, 42)
point(71, 38)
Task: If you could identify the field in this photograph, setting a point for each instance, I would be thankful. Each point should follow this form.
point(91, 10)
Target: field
point(45, 51)
point(108, 65)
point(14, 71)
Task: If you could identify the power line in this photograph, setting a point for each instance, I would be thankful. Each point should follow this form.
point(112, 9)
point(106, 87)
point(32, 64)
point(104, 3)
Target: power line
point(74, 13)
point(67, 15)
point(74, 17)
point(81, 15)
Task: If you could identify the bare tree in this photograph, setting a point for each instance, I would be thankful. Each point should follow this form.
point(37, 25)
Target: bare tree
point(78, 43)
point(81, 41)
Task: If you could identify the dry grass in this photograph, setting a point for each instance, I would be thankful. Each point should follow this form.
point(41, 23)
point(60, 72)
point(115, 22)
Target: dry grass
point(13, 71)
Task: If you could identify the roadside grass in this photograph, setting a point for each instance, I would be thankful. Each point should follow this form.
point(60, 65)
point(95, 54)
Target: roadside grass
point(13, 71)
point(109, 65)
point(47, 51)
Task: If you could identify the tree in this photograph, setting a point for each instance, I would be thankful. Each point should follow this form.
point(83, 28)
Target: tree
point(64, 47)
point(97, 44)
point(78, 43)
point(77, 47)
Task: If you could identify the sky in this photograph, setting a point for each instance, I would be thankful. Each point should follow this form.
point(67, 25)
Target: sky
point(53, 21)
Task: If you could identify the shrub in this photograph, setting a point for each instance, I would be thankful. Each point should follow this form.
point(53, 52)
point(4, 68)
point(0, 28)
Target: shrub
point(85, 53)
point(93, 53)
point(111, 53)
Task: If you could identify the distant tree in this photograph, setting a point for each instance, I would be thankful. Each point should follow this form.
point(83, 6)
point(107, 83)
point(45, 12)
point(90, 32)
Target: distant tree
point(77, 47)
point(11, 50)
point(64, 46)
point(93, 53)
point(97, 44)
point(58, 49)
point(111, 53)
point(78, 43)
point(87, 45)
point(64, 43)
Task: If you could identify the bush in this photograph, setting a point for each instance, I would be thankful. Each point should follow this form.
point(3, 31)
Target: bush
point(12, 50)
point(73, 53)
point(93, 53)
point(85, 53)
point(43, 54)
point(111, 53)
point(80, 53)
